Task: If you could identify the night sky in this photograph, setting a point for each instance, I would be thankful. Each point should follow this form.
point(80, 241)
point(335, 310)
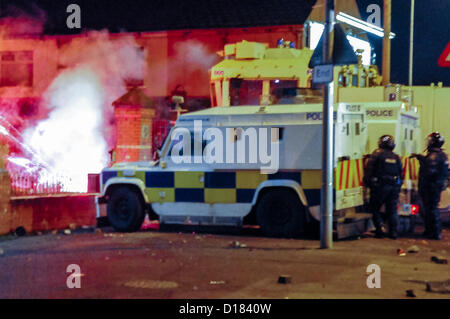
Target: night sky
point(432, 23)
point(431, 35)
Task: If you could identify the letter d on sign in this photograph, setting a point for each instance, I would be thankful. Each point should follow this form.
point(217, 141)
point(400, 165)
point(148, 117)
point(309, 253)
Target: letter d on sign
point(74, 279)
point(374, 279)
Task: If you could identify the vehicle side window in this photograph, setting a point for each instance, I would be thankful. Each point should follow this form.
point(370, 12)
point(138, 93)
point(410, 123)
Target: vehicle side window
point(182, 152)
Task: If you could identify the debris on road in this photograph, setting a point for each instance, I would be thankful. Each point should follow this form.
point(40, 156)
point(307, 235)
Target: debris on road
point(439, 260)
point(414, 249)
point(401, 252)
point(151, 284)
point(67, 232)
point(150, 224)
point(410, 293)
point(442, 287)
point(236, 244)
point(214, 282)
point(109, 235)
point(284, 279)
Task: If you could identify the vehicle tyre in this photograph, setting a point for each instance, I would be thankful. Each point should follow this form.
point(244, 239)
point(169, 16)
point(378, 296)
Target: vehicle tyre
point(281, 214)
point(125, 209)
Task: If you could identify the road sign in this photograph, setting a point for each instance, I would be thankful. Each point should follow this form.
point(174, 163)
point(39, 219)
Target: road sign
point(323, 73)
point(444, 59)
point(343, 53)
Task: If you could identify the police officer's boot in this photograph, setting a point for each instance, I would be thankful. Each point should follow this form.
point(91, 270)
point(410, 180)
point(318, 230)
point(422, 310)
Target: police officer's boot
point(435, 236)
point(393, 235)
point(435, 220)
point(436, 233)
point(379, 233)
point(426, 222)
point(393, 226)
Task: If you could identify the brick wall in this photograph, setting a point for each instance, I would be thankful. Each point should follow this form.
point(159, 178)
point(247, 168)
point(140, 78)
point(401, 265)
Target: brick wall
point(134, 130)
point(5, 193)
point(53, 212)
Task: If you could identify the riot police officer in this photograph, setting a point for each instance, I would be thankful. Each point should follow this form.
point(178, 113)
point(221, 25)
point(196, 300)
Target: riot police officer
point(383, 176)
point(432, 181)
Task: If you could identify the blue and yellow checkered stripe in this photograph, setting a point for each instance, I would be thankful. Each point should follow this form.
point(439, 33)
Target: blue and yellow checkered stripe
point(218, 187)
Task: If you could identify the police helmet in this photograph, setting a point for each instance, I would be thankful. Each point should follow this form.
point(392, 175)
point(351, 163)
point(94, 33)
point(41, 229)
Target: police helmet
point(386, 142)
point(435, 139)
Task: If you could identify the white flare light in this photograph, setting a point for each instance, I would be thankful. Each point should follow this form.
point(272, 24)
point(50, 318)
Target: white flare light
point(70, 139)
point(363, 45)
point(363, 25)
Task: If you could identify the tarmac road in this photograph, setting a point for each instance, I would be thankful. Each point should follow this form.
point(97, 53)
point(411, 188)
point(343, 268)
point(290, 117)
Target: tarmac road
point(171, 264)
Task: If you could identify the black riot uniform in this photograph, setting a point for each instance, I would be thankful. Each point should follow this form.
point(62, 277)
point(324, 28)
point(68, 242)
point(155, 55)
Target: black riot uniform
point(432, 181)
point(383, 175)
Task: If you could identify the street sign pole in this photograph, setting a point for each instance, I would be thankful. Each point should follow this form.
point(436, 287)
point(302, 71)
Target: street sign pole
point(326, 207)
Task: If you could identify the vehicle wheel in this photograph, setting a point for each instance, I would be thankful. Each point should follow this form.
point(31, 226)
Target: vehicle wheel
point(281, 214)
point(125, 210)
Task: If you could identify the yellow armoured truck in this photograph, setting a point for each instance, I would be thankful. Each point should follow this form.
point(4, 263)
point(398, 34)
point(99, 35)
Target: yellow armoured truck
point(222, 165)
point(210, 172)
point(252, 73)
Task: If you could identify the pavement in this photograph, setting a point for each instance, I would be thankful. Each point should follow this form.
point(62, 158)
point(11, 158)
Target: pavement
point(186, 264)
